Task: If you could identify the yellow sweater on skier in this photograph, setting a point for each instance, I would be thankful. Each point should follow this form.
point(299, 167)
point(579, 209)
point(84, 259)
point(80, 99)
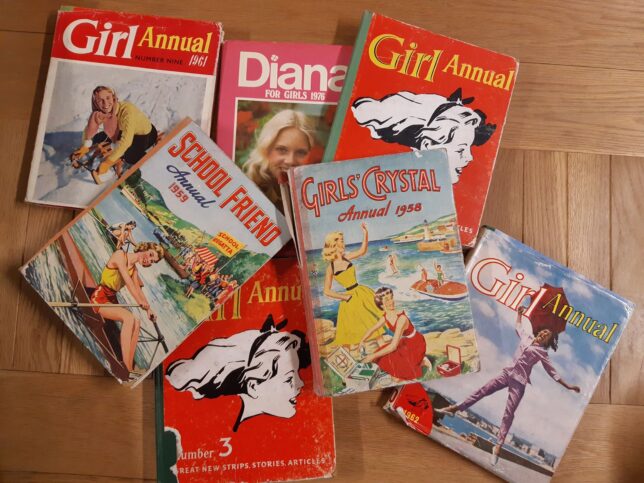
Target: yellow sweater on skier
point(131, 122)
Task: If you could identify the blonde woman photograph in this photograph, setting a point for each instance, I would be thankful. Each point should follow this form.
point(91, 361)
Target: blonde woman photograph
point(285, 141)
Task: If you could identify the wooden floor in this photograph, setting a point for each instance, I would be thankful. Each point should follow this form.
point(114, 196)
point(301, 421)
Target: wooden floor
point(569, 181)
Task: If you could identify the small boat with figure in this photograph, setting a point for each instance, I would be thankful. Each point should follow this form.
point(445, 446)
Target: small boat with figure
point(448, 290)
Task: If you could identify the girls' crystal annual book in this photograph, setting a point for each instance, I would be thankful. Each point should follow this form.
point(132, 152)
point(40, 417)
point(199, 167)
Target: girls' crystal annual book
point(235, 401)
point(116, 83)
point(410, 89)
point(143, 266)
point(545, 334)
point(383, 272)
point(276, 106)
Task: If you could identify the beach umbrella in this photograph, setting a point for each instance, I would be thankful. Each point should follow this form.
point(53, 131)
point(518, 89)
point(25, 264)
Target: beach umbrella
point(206, 256)
point(546, 313)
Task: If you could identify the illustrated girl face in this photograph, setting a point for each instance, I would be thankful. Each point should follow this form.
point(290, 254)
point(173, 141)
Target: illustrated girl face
point(290, 148)
point(278, 395)
point(543, 337)
point(340, 244)
point(105, 101)
point(149, 257)
point(453, 130)
point(388, 302)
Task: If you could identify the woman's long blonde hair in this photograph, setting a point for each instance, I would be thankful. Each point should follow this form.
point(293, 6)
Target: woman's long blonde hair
point(256, 167)
point(330, 249)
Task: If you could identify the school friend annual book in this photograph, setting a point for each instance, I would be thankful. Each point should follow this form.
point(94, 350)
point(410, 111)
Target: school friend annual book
point(116, 83)
point(276, 106)
point(142, 267)
point(235, 401)
point(383, 272)
point(545, 334)
point(410, 89)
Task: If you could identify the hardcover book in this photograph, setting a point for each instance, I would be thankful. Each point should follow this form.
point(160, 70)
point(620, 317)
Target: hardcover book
point(410, 89)
point(545, 334)
point(116, 83)
point(143, 266)
point(276, 106)
point(383, 272)
point(235, 401)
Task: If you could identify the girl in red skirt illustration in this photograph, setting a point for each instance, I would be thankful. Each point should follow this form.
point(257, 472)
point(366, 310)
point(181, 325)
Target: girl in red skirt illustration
point(404, 356)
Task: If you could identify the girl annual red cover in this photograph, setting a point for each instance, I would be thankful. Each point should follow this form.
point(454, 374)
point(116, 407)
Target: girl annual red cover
point(408, 88)
point(236, 400)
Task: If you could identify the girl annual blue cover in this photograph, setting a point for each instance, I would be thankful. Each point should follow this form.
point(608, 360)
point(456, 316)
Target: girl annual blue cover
point(383, 272)
point(545, 334)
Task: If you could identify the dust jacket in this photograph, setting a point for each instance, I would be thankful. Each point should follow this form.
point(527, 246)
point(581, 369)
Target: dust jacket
point(155, 254)
point(545, 334)
point(383, 272)
point(411, 89)
point(235, 401)
point(116, 83)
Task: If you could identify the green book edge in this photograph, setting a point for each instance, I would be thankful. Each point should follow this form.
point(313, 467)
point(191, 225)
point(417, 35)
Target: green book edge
point(347, 90)
point(158, 421)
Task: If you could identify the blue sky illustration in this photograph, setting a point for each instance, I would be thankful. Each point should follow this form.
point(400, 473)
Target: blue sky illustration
point(435, 204)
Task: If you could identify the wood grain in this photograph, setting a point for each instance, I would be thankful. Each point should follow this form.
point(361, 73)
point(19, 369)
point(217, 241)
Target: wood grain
point(545, 213)
point(89, 427)
point(589, 229)
point(504, 206)
point(84, 425)
point(545, 31)
point(627, 238)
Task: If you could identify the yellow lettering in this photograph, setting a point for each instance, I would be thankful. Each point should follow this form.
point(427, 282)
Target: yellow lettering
point(374, 56)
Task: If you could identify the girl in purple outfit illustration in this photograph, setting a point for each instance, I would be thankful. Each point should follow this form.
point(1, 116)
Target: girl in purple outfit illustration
point(532, 350)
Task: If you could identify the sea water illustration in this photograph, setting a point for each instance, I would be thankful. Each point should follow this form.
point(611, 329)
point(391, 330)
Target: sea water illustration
point(430, 315)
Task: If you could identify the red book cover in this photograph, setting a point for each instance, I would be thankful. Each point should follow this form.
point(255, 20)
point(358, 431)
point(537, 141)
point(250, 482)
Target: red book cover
point(235, 401)
point(410, 89)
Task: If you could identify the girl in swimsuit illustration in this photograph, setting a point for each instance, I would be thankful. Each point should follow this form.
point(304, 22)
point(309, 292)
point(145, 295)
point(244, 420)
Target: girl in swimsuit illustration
point(357, 311)
point(404, 356)
point(121, 270)
point(532, 350)
point(260, 366)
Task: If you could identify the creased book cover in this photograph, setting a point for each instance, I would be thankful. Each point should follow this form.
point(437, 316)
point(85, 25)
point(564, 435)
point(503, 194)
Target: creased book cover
point(142, 267)
point(235, 401)
point(545, 334)
point(383, 272)
point(276, 106)
point(410, 89)
point(117, 82)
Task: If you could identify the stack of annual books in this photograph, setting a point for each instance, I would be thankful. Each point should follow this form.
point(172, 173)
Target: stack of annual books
point(377, 161)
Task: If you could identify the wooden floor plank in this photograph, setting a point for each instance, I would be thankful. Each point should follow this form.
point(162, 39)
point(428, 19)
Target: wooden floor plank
point(545, 211)
point(13, 228)
point(92, 426)
point(583, 34)
point(588, 229)
point(84, 425)
point(562, 108)
point(627, 236)
point(504, 206)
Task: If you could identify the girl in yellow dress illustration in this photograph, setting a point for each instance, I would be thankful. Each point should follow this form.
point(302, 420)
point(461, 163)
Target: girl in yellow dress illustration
point(357, 311)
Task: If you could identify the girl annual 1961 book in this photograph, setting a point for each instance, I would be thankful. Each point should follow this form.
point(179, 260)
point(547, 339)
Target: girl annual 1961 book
point(116, 83)
point(411, 89)
point(545, 334)
point(382, 272)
